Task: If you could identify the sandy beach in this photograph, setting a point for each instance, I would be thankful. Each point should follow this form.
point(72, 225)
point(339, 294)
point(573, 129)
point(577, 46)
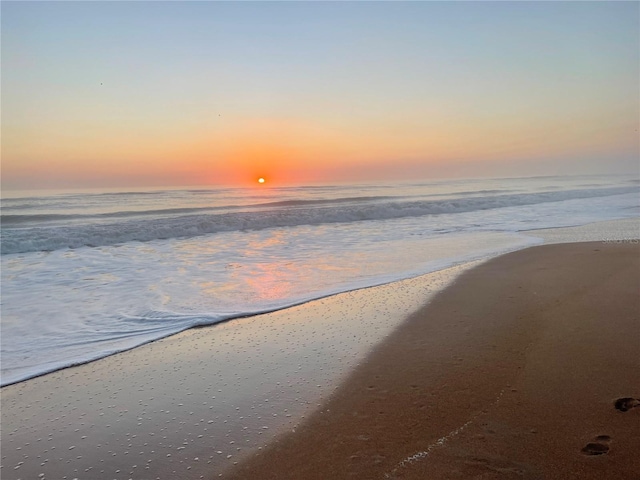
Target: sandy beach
point(512, 372)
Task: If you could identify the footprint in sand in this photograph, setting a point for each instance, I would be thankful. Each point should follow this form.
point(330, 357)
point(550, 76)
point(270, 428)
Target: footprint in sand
point(626, 403)
point(598, 447)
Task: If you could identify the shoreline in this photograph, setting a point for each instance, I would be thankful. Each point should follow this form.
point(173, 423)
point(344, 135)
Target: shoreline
point(387, 280)
point(528, 393)
point(618, 230)
point(169, 410)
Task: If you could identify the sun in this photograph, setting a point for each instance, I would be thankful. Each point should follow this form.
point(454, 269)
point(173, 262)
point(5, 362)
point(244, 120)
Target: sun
point(261, 180)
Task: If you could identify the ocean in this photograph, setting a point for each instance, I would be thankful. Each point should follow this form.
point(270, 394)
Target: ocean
point(88, 274)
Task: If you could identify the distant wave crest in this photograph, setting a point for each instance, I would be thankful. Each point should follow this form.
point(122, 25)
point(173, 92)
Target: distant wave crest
point(8, 220)
point(117, 228)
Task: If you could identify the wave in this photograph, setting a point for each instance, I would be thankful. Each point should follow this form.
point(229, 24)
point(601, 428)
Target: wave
point(11, 219)
point(472, 192)
point(312, 212)
point(126, 331)
point(8, 220)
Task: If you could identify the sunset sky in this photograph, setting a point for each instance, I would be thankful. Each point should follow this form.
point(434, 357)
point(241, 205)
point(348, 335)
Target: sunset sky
point(194, 93)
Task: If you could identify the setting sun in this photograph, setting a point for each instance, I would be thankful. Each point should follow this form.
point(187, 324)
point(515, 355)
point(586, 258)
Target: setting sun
point(261, 180)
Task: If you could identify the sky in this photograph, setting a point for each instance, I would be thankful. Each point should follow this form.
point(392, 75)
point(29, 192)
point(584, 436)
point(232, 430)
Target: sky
point(110, 94)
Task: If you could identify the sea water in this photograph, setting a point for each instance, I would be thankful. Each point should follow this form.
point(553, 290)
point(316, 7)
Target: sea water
point(85, 275)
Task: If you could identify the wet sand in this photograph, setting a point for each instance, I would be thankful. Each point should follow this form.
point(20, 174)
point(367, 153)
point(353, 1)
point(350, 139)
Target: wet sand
point(515, 372)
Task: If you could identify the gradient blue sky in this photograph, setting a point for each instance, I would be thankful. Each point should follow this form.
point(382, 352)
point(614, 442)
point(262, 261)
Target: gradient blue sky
point(172, 93)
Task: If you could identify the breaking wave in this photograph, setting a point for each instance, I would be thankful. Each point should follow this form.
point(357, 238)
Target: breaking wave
point(55, 232)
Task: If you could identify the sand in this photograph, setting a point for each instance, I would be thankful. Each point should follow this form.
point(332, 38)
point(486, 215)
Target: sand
point(512, 372)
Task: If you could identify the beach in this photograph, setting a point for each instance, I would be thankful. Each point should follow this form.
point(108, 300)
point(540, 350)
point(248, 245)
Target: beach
point(512, 371)
point(320, 240)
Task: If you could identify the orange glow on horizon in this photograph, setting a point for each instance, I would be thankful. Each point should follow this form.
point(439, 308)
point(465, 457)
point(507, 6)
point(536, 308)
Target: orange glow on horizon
point(287, 151)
